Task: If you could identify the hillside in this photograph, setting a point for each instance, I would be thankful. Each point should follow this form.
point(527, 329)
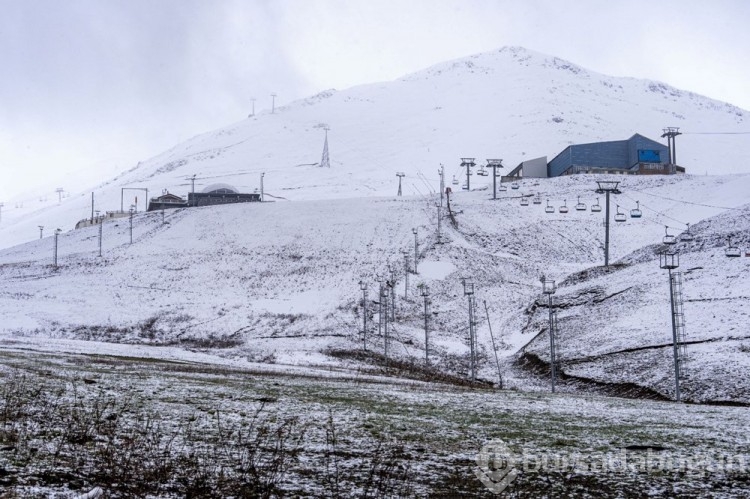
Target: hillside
point(513, 104)
point(278, 282)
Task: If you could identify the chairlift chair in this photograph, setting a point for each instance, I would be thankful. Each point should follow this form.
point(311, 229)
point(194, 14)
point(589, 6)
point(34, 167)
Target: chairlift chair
point(580, 206)
point(549, 208)
point(514, 185)
point(537, 200)
point(482, 172)
point(687, 236)
point(668, 238)
point(564, 207)
point(636, 213)
point(502, 188)
point(732, 251)
point(524, 201)
point(455, 180)
point(620, 217)
point(596, 208)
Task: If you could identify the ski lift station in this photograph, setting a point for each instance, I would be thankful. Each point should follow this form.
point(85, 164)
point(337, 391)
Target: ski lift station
point(637, 155)
point(211, 195)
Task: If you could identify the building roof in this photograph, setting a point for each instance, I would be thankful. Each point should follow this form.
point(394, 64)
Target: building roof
point(220, 189)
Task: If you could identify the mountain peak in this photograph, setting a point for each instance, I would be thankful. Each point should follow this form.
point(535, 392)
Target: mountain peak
point(505, 60)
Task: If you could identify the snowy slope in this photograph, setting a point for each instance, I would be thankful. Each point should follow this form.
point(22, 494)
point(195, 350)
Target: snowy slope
point(513, 104)
point(278, 282)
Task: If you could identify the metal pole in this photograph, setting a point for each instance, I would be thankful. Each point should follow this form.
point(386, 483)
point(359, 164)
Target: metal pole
point(468, 176)
point(131, 225)
point(41, 231)
point(552, 344)
point(425, 294)
point(606, 233)
point(406, 275)
point(416, 250)
point(674, 340)
point(442, 183)
point(393, 300)
point(54, 255)
point(439, 208)
point(261, 186)
point(494, 182)
point(380, 309)
point(364, 316)
point(101, 223)
point(385, 322)
point(494, 347)
point(471, 338)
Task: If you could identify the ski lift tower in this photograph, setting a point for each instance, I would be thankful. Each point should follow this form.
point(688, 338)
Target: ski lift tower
point(670, 260)
point(549, 288)
point(400, 175)
point(607, 187)
point(469, 293)
point(469, 164)
point(670, 133)
point(494, 164)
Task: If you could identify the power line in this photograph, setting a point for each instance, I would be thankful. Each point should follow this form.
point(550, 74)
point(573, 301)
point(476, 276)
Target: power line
point(687, 202)
point(715, 133)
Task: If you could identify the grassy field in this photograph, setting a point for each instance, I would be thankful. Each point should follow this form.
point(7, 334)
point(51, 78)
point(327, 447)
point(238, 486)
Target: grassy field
point(150, 428)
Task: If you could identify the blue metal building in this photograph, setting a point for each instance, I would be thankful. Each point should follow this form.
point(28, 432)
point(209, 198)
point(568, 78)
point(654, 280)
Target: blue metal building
point(636, 155)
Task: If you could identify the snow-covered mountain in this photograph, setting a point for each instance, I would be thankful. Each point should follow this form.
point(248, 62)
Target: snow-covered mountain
point(513, 104)
point(278, 282)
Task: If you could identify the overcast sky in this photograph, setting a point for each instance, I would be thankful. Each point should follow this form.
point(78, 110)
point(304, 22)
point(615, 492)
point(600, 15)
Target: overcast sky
point(100, 84)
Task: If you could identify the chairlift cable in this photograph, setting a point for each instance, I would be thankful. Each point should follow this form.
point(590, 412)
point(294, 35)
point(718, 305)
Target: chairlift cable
point(686, 202)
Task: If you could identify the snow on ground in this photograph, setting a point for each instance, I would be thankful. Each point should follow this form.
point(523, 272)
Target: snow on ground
point(513, 103)
point(279, 282)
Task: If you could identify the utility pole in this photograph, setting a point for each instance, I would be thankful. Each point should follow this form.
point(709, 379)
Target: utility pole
point(92, 208)
point(392, 286)
point(101, 224)
point(192, 187)
point(607, 187)
point(416, 249)
point(380, 306)
point(439, 237)
point(400, 175)
point(469, 293)
point(132, 210)
point(468, 163)
point(495, 164)
point(261, 186)
point(41, 231)
point(406, 274)
point(441, 172)
point(273, 103)
point(54, 255)
point(385, 323)
point(425, 292)
point(670, 133)
point(549, 288)
point(363, 287)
